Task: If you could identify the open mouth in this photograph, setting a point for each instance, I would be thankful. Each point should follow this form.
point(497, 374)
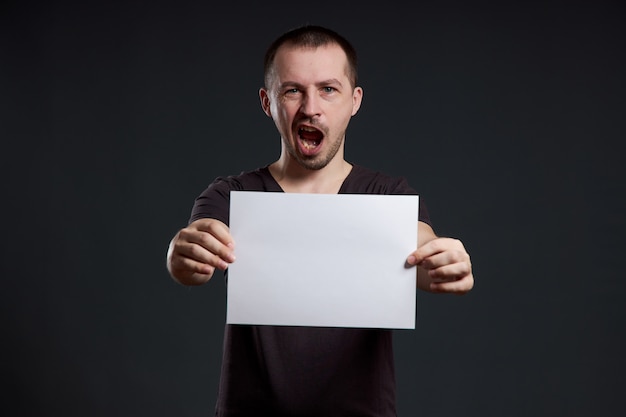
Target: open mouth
point(310, 138)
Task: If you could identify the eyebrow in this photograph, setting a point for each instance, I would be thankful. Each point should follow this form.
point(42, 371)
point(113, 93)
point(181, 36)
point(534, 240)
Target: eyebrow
point(330, 81)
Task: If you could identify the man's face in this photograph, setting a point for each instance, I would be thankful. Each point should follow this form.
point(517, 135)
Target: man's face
point(311, 100)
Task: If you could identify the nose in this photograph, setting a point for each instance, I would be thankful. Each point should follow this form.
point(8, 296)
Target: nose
point(310, 105)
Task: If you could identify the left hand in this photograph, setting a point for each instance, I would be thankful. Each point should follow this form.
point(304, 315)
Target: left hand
point(445, 264)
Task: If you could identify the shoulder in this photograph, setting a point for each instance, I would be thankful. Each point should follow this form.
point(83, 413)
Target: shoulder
point(214, 201)
point(255, 180)
point(365, 180)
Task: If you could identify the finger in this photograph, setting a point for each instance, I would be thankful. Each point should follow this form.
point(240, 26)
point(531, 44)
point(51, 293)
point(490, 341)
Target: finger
point(450, 272)
point(461, 286)
point(190, 272)
point(438, 245)
point(199, 254)
point(203, 247)
point(444, 258)
point(215, 228)
point(424, 251)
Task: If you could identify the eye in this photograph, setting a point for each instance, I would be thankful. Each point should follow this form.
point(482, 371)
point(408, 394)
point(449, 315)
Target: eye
point(292, 91)
point(329, 90)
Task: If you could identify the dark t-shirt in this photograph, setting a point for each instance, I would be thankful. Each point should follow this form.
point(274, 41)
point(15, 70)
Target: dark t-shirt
point(304, 371)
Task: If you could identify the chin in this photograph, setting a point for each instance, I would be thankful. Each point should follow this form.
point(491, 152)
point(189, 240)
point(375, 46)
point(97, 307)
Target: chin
point(313, 164)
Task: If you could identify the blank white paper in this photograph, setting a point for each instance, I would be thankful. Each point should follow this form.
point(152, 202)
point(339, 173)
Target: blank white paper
point(329, 260)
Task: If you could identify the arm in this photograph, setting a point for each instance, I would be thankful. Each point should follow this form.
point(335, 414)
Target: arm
point(443, 264)
point(197, 250)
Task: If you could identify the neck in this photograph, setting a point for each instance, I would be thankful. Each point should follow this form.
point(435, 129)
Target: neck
point(294, 178)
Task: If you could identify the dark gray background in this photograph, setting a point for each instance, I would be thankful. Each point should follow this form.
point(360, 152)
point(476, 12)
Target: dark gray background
point(508, 119)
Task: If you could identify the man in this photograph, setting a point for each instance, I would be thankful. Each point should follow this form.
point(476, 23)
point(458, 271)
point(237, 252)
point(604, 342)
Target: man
point(310, 93)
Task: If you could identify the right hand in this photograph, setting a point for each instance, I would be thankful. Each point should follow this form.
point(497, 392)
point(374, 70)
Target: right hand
point(197, 250)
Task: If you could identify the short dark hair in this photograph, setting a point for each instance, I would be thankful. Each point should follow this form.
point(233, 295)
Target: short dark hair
point(312, 36)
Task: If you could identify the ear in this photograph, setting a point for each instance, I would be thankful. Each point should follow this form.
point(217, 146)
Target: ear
point(357, 98)
point(264, 96)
